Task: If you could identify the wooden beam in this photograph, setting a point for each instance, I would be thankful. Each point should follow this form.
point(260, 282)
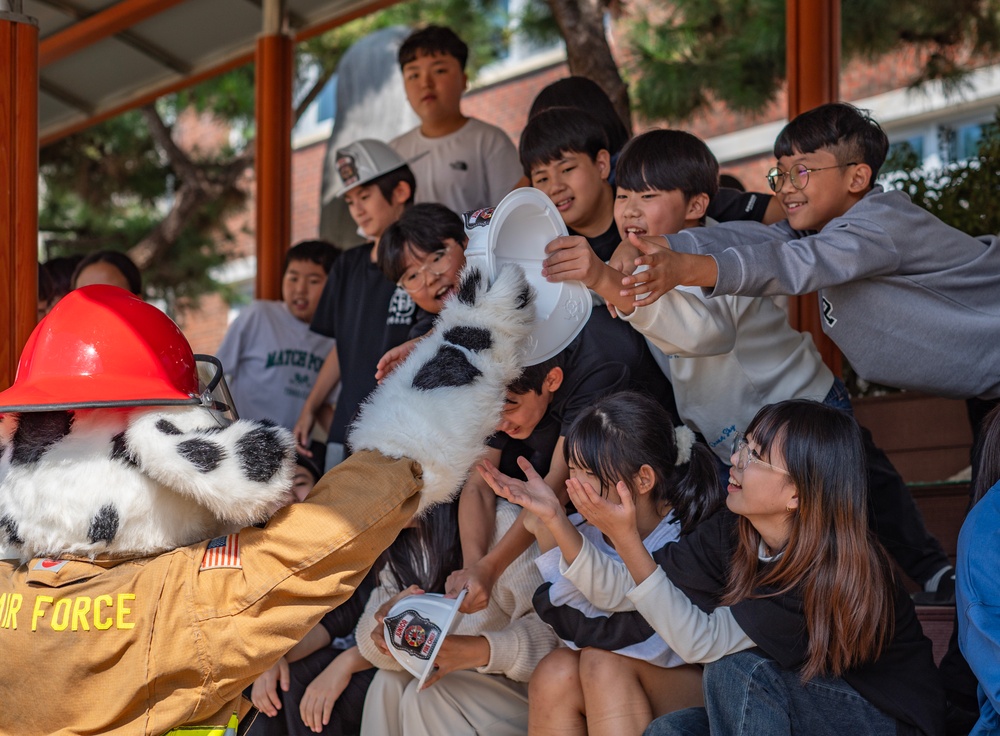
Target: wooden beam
point(813, 53)
point(53, 134)
point(119, 17)
point(294, 19)
point(813, 71)
point(341, 18)
point(273, 161)
point(18, 188)
point(65, 97)
point(129, 38)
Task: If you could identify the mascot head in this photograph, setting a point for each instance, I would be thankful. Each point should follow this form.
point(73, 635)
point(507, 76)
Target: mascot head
point(111, 445)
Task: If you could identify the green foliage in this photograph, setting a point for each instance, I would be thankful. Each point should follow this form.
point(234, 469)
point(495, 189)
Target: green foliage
point(691, 51)
point(963, 194)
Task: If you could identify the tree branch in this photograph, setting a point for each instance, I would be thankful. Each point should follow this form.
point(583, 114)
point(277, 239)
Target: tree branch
point(162, 135)
point(312, 94)
point(581, 23)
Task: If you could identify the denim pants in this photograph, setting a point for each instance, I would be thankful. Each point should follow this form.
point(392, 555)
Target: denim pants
point(747, 694)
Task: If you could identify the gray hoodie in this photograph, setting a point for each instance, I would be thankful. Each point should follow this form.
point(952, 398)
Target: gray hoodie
point(910, 301)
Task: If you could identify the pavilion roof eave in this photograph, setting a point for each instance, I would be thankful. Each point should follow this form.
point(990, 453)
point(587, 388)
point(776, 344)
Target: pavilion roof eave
point(100, 58)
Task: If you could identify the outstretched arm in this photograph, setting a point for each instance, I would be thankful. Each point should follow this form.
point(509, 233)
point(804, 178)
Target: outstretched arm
point(665, 270)
point(536, 496)
point(326, 379)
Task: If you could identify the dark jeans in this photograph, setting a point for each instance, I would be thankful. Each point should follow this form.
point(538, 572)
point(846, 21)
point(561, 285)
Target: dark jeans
point(893, 514)
point(747, 694)
point(346, 716)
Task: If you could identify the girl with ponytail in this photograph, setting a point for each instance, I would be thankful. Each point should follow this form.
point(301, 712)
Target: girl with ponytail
point(786, 598)
point(616, 674)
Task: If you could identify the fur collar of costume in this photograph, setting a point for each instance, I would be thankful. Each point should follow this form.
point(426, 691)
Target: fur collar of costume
point(134, 482)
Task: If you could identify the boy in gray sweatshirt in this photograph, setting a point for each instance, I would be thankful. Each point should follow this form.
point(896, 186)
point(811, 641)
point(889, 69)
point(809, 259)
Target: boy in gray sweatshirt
point(910, 301)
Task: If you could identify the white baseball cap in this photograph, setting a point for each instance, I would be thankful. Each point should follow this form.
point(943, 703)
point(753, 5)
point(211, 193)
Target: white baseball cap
point(517, 231)
point(363, 161)
point(416, 627)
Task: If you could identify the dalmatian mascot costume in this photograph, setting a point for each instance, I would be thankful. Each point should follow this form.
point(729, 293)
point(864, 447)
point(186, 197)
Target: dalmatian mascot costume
point(135, 597)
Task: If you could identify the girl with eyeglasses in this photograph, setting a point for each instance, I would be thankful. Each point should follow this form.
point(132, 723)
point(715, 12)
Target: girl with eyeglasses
point(615, 674)
point(785, 598)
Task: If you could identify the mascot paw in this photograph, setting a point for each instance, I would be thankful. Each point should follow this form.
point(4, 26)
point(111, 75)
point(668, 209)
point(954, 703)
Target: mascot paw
point(439, 407)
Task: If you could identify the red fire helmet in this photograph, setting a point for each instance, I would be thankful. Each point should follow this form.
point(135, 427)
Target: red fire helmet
point(100, 346)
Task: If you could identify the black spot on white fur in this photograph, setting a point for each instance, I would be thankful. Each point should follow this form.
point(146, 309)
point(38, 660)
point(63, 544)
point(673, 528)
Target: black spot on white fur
point(524, 298)
point(204, 455)
point(260, 453)
point(167, 427)
point(448, 367)
point(475, 339)
point(120, 451)
point(10, 526)
point(104, 525)
point(37, 432)
point(470, 287)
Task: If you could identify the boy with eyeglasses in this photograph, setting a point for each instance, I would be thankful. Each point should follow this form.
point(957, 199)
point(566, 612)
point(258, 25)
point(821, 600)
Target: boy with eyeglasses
point(364, 312)
point(422, 253)
point(911, 302)
point(728, 357)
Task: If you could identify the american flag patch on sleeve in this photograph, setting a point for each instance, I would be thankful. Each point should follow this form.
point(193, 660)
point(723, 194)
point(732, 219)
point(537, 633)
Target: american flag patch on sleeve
point(222, 552)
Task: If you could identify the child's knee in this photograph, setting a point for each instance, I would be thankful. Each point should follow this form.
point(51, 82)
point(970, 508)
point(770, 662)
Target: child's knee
point(558, 670)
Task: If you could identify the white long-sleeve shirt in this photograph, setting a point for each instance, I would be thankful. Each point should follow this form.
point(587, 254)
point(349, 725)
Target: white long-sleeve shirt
point(696, 636)
point(727, 357)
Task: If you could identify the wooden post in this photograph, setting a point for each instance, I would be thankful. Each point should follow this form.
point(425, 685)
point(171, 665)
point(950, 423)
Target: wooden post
point(813, 66)
point(18, 186)
point(274, 70)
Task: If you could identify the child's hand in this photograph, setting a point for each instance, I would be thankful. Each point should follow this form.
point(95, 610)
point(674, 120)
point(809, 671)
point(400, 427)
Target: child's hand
point(378, 635)
point(459, 652)
point(393, 359)
point(477, 580)
point(303, 430)
point(660, 274)
point(570, 258)
point(616, 521)
point(264, 693)
point(623, 259)
point(321, 695)
point(533, 494)
point(665, 270)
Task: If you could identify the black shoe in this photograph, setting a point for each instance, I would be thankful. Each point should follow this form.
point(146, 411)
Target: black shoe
point(943, 596)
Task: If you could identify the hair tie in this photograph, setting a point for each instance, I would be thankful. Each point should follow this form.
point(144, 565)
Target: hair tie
point(684, 439)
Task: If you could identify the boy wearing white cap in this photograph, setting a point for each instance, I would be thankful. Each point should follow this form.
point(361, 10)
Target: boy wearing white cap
point(360, 308)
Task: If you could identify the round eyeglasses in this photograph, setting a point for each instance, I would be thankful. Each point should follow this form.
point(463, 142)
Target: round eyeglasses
point(798, 175)
point(436, 263)
point(744, 455)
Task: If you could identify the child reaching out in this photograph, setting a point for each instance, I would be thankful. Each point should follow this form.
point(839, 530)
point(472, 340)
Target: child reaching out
point(616, 674)
point(728, 356)
point(788, 601)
